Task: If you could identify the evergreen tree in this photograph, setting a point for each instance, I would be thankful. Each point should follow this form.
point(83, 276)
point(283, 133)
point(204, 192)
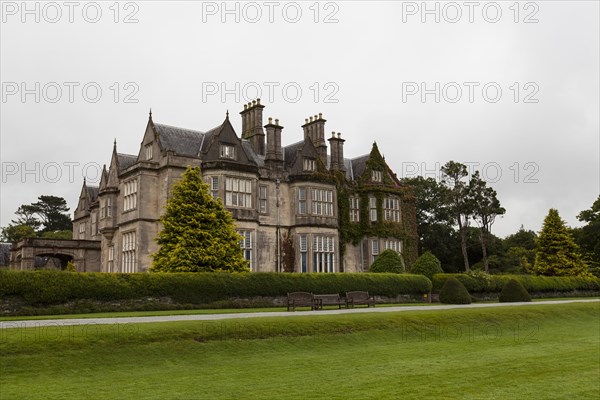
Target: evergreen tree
point(557, 253)
point(198, 233)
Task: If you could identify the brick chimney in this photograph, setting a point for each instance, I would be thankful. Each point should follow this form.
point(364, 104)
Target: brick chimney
point(314, 129)
point(252, 128)
point(274, 154)
point(337, 152)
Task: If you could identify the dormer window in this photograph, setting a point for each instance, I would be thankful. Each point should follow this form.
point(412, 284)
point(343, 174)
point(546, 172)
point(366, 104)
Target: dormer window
point(228, 151)
point(309, 164)
point(376, 176)
point(149, 151)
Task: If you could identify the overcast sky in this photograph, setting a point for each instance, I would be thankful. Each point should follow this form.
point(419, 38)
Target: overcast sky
point(511, 89)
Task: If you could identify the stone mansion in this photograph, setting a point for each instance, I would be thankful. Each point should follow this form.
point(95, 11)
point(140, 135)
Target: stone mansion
point(299, 208)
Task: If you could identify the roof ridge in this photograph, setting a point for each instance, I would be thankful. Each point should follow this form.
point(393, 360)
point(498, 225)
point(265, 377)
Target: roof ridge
point(179, 127)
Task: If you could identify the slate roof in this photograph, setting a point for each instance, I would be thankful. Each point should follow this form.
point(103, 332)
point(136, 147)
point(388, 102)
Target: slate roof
point(92, 192)
point(125, 160)
point(290, 151)
point(359, 165)
point(185, 142)
point(257, 158)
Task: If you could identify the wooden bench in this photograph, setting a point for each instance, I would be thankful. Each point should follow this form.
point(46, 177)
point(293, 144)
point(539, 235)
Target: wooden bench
point(328, 300)
point(358, 297)
point(300, 299)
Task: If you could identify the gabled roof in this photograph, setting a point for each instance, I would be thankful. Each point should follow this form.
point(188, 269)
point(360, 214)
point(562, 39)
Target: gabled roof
point(359, 165)
point(185, 142)
point(92, 192)
point(290, 151)
point(257, 158)
point(125, 161)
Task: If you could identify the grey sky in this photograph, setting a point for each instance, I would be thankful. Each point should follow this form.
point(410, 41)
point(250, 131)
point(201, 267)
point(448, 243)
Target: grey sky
point(359, 72)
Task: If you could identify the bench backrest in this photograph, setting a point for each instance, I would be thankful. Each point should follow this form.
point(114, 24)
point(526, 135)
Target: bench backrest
point(300, 296)
point(357, 295)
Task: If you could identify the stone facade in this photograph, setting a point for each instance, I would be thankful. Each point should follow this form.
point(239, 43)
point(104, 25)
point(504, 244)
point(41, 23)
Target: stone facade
point(299, 208)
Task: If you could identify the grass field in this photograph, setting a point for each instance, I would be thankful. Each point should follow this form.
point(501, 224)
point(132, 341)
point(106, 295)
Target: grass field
point(534, 352)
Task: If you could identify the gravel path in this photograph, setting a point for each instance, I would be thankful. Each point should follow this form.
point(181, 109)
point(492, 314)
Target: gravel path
point(213, 317)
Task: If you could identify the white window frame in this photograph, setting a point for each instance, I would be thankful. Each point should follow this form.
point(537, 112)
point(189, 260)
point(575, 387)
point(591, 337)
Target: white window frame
point(309, 164)
point(376, 176)
point(354, 209)
point(321, 202)
point(247, 246)
point(263, 199)
point(82, 229)
point(391, 209)
point(303, 240)
point(238, 192)
point(227, 151)
point(395, 245)
point(130, 195)
point(129, 252)
point(323, 253)
point(302, 209)
point(148, 149)
point(214, 187)
point(372, 209)
point(374, 249)
point(110, 262)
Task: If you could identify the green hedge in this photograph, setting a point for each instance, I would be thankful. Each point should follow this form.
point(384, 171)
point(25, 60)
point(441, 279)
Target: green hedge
point(56, 287)
point(533, 283)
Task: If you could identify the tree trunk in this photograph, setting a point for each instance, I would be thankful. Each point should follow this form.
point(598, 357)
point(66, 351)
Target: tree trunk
point(482, 237)
point(463, 242)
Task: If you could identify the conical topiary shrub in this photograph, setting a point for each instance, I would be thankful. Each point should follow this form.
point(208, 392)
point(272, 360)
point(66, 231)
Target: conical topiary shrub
point(514, 291)
point(454, 292)
point(427, 264)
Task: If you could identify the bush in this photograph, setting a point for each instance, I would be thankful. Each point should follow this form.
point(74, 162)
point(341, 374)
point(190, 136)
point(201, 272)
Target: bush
point(454, 292)
point(485, 283)
point(514, 291)
point(57, 287)
point(388, 261)
point(427, 264)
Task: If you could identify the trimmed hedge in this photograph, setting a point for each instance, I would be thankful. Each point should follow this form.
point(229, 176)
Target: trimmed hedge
point(388, 261)
point(482, 283)
point(56, 287)
point(427, 264)
point(513, 291)
point(454, 292)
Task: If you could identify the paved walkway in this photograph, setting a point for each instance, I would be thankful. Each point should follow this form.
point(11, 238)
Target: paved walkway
point(213, 317)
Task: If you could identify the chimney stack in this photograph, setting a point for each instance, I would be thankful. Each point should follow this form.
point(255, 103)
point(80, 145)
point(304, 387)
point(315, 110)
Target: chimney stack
point(252, 128)
point(337, 152)
point(314, 129)
point(274, 155)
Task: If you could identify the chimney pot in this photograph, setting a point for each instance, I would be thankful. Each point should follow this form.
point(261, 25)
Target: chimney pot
point(270, 120)
point(315, 117)
point(253, 102)
point(339, 135)
point(320, 115)
point(332, 134)
point(258, 101)
point(306, 120)
point(276, 121)
point(245, 106)
point(311, 119)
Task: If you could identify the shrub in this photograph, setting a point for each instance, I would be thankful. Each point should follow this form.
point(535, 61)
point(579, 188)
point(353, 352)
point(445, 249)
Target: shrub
point(56, 287)
point(454, 292)
point(514, 291)
point(484, 283)
point(427, 264)
point(388, 261)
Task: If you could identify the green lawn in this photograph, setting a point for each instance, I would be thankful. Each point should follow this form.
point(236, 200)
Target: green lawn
point(534, 352)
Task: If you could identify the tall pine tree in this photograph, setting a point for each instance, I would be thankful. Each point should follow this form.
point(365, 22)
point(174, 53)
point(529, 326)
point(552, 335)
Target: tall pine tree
point(557, 253)
point(198, 233)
